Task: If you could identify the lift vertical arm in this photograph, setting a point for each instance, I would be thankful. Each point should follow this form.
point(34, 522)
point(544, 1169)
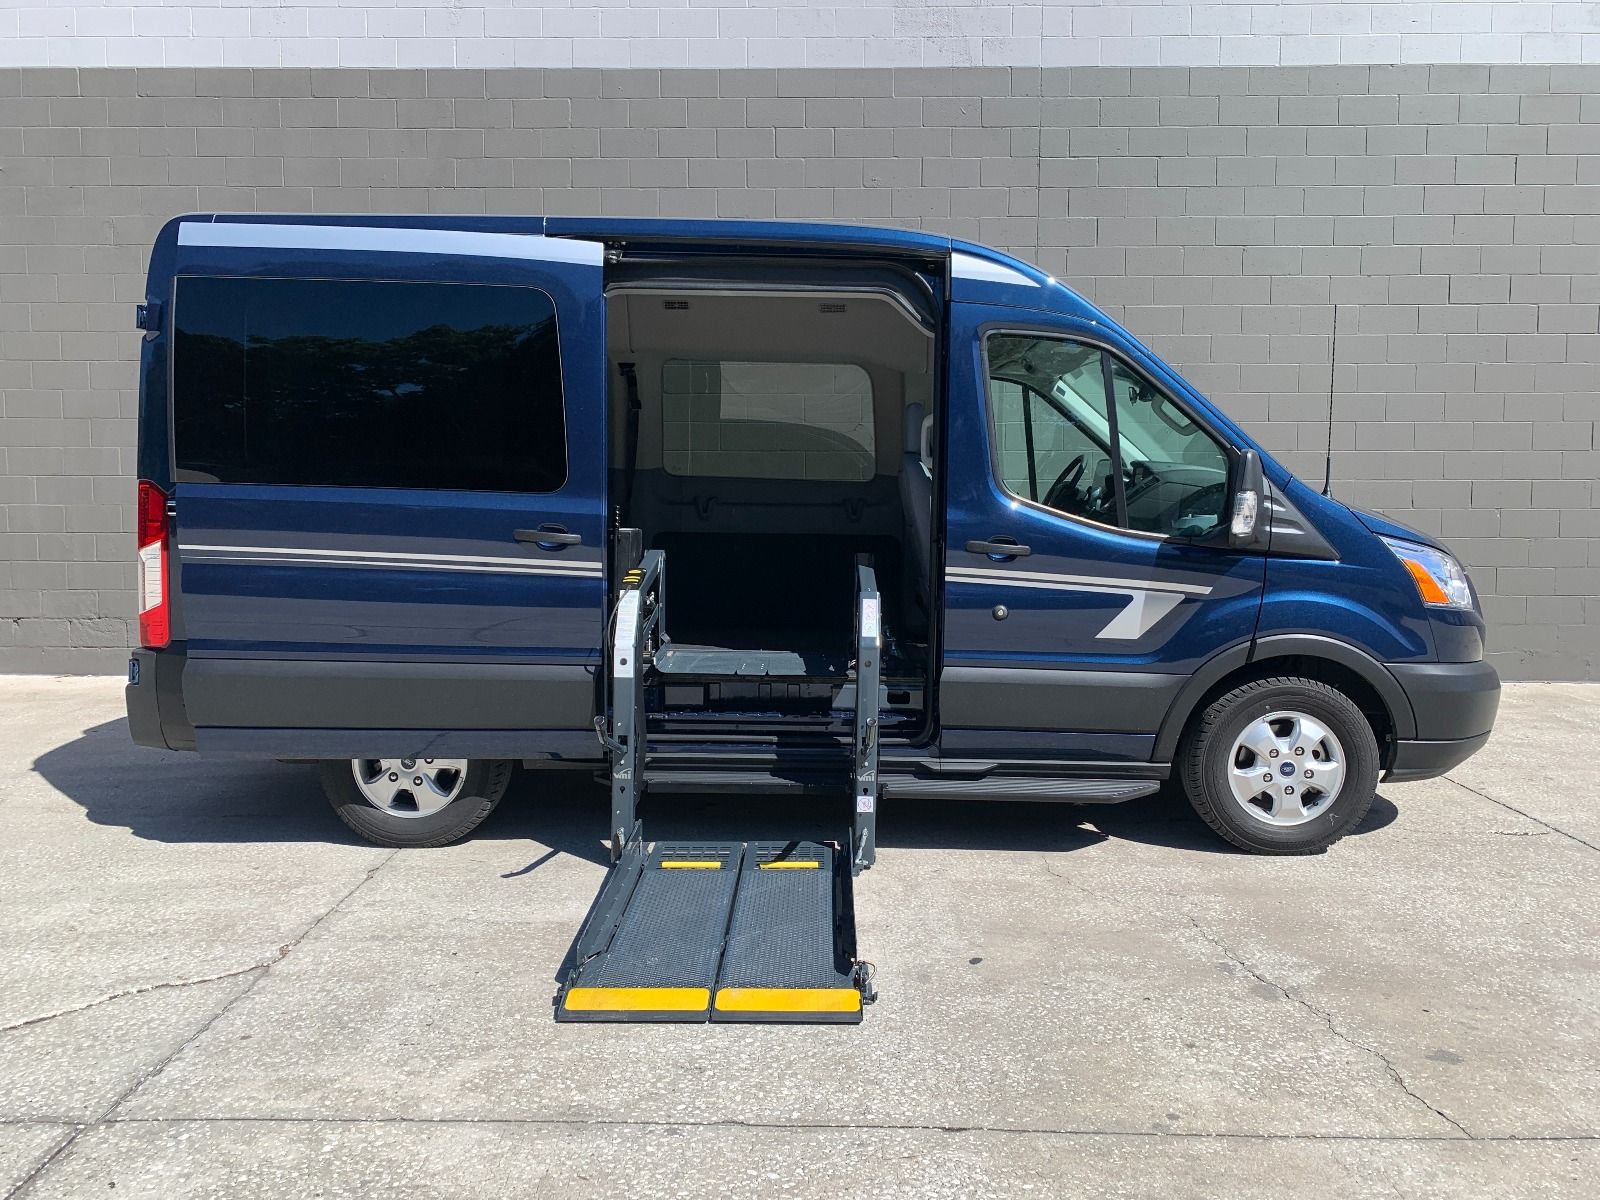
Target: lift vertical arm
point(864, 751)
point(635, 631)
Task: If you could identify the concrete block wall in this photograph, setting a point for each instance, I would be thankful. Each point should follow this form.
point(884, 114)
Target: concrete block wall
point(1446, 216)
point(777, 33)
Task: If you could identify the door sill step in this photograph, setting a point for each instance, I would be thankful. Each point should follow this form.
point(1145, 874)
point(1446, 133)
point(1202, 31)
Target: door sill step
point(1044, 791)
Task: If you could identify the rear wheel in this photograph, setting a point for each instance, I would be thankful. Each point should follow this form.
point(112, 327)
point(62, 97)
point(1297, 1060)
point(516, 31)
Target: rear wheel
point(1281, 766)
point(411, 802)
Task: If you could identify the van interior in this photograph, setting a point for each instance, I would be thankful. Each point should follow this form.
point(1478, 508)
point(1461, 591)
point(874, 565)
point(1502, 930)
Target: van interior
point(764, 437)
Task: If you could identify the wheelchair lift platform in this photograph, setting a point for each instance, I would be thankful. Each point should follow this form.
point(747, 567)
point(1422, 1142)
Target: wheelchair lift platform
point(754, 931)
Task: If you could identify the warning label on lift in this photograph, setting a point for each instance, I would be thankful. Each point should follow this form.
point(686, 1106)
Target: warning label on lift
point(870, 621)
point(623, 643)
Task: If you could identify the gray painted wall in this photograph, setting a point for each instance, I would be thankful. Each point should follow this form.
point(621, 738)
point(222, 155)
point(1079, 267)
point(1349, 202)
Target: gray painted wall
point(1449, 213)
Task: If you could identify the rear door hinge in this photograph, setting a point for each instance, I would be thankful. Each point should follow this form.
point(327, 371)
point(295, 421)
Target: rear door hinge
point(147, 316)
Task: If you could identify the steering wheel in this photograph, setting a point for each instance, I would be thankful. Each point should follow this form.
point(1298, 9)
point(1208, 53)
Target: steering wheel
point(1066, 485)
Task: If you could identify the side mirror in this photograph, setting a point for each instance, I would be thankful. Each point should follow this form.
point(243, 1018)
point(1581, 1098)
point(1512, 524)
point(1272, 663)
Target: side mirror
point(1248, 488)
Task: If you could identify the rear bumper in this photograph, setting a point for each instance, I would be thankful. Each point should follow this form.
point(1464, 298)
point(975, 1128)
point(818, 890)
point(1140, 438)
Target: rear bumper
point(154, 695)
point(1454, 705)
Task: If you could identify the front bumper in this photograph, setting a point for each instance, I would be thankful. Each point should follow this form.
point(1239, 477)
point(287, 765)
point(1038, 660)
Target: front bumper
point(1428, 760)
point(1454, 705)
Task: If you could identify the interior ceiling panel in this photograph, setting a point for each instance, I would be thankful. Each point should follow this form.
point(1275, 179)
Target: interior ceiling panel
point(814, 327)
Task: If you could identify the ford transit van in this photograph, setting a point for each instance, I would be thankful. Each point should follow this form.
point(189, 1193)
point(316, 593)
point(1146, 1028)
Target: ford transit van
point(746, 506)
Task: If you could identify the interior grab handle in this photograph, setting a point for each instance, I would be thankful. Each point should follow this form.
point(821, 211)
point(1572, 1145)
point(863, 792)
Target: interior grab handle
point(999, 549)
point(548, 535)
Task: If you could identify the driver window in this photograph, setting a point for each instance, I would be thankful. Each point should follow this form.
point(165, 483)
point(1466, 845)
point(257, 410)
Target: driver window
point(1052, 433)
point(1053, 444)
point(1176, 474)
point(1044, 456)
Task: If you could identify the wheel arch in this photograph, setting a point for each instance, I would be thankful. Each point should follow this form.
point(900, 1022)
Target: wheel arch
point(1338, 664)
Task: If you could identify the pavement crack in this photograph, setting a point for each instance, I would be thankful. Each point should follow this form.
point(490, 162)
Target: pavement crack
point(62, 1143)
point(41, 1018)
point(261, 971)
point(801, 1126)
point(1525, 815)
point(1048, 858)
point(1327, 1019)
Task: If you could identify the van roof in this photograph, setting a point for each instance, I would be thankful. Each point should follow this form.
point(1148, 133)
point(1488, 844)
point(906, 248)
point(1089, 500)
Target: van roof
point(983, 273)
point(801, 233)
point(812, 234)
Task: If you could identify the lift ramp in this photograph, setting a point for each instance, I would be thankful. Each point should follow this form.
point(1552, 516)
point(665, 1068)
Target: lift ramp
point(752, 931)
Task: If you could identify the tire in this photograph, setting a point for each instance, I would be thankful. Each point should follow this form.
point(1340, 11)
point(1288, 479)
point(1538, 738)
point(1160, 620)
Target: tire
point(455, 796)
point(1264, 735)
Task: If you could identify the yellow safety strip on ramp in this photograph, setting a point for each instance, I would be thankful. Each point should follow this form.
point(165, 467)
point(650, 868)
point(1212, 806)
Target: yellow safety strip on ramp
point(771, 1000)
point(691, 864)
point(791, 864)
point(637, 999)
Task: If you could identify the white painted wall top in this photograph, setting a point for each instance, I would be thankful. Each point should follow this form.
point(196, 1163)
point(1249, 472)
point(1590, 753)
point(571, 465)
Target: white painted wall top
point(784, 33)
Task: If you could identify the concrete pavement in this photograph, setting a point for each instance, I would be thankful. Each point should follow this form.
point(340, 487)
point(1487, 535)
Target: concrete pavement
point(208, 987)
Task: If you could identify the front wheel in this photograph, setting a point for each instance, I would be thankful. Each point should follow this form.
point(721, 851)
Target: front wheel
point(1281, 766)
point(414, 802)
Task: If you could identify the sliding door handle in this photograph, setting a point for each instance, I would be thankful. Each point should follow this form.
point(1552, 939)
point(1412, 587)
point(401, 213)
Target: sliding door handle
point(1001, 547)
point(548, 535)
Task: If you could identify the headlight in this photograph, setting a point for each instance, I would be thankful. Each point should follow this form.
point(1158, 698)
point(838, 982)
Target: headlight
point(1439, 578)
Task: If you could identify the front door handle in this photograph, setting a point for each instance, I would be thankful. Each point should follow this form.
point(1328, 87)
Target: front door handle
point(1000, 547)
point(548, 535)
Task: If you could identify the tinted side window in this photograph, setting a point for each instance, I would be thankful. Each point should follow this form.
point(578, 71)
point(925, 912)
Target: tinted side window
point(367, 384)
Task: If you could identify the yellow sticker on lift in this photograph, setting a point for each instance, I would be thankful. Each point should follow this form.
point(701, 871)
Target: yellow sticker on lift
point(774, 1000)
point(636, 999)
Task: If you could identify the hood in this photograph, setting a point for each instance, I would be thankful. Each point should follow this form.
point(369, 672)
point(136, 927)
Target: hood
point(1385, 527)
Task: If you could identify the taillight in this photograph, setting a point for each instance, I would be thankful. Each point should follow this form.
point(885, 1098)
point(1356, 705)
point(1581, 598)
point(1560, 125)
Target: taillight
point(155, 613)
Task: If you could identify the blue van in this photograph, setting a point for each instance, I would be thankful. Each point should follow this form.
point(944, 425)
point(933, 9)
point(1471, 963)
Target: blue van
point(412, 491)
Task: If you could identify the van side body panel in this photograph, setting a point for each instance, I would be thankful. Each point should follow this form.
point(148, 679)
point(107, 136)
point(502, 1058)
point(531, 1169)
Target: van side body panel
point(350, 610)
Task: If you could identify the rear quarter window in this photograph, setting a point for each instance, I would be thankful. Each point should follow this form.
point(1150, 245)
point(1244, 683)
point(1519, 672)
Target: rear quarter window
point(767, 420)
point(363, 383)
